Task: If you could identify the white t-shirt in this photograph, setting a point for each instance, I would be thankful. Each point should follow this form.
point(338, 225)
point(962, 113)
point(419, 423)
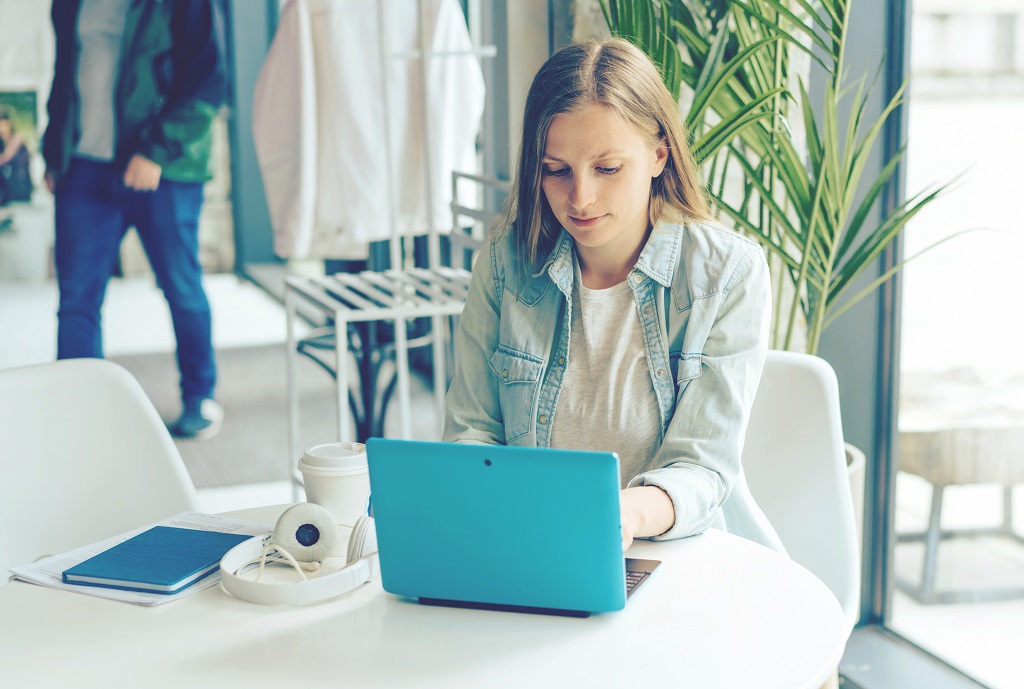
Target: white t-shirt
point(607, 401)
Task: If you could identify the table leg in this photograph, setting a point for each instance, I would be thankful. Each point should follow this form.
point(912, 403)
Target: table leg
point(931, 541)
point(1008, 509)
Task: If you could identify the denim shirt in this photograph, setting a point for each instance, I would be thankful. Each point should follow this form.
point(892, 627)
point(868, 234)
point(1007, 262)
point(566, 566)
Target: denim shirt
point(704, 301)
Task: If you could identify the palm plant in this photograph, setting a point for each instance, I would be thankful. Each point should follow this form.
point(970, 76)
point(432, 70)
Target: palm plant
point(804, 209)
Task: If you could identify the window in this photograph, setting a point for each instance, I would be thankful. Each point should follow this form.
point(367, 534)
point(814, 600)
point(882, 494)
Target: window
point(957, 571)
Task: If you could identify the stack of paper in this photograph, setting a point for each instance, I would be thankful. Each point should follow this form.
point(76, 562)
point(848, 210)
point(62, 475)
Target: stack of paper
point(155, 564)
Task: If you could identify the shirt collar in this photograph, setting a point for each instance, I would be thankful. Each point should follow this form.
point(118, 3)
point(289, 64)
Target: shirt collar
point(658, 259)
point(660, 256)
point(558, 265)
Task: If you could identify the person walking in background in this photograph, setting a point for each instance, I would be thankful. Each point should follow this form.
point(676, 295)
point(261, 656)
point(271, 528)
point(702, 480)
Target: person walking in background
point(136, 88)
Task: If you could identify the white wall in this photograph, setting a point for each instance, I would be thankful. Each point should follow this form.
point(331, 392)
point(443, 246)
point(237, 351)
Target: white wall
point(527, 51)
point(26, 51)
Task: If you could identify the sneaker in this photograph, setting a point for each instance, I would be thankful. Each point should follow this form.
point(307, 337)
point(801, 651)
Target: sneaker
point(200, 420)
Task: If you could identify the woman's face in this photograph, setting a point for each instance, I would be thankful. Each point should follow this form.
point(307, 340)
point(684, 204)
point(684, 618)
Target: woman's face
point(596, 175)
point(6, 129)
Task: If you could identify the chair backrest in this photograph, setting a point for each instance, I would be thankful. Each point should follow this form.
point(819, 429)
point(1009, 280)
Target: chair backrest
point(83, 456)
point(795, 465)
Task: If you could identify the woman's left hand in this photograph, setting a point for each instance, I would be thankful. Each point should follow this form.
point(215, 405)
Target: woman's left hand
point(645, 511)
point(627, 531)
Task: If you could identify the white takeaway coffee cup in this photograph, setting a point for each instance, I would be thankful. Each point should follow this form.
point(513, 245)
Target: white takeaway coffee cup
point(336, 476)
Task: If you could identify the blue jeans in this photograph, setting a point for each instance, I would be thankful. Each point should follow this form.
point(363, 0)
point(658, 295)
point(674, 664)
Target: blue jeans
point(93, 212)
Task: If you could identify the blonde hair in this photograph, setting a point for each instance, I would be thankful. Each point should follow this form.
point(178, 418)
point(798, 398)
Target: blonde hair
point(617, 75)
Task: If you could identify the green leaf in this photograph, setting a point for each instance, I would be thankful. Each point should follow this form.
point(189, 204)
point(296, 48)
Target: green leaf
point(875, 284)
point(872, 195)
point(864, 148)
point(726, 130)
point(710, 86)
point(810, 32)
point(754, 180)
point(878, 240)
point(714, 59)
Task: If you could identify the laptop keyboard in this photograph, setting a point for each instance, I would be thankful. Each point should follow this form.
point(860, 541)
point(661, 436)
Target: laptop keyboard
point(633, 580)
point(637, 572)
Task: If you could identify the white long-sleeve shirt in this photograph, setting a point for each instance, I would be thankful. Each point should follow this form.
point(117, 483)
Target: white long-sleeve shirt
point(320, 130)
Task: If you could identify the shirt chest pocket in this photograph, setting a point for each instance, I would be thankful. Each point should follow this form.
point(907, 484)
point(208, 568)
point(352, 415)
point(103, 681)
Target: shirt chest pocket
point(518, 376)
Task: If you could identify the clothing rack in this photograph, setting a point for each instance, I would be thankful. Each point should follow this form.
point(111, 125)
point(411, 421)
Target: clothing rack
point(395, 295)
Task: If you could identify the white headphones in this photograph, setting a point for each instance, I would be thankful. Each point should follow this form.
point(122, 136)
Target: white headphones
point(304, 536)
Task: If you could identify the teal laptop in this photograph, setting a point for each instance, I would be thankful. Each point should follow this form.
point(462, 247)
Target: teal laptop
point(501, 528)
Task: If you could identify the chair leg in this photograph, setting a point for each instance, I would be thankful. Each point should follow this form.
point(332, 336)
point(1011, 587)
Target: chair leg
point(931, 542)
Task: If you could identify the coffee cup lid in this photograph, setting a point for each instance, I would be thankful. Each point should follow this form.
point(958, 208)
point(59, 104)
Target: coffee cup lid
point(336, 456)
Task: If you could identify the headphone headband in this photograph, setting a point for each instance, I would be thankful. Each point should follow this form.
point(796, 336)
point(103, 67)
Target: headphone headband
point(362, 566)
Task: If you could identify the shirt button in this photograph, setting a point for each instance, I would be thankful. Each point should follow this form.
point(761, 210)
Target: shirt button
point(637, 279)
point(504, 373)
point(561, 361)
point(543, 419)
point(661, 373)
point(648, 309)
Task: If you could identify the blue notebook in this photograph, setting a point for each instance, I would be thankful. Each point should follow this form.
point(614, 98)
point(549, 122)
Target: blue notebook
point(163, 559)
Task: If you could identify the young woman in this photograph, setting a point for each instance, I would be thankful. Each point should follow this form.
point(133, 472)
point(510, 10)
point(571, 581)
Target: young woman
point(605, 311)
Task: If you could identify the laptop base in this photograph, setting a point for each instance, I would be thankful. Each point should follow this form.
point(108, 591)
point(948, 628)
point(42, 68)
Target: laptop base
point(637, 572)
point(503, 608)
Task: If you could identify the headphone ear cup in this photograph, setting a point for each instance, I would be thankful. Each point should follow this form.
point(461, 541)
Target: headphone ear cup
point(363, 540)
point(307, 531)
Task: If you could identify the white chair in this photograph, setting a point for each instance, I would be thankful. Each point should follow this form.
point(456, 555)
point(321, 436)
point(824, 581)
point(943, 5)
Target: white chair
point(795, 466)
point(83, 456)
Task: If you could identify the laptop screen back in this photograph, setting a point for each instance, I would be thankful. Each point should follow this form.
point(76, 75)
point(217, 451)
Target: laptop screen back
point(498, 525)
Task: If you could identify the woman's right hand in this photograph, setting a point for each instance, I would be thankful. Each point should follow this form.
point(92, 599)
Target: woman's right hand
point(51, 182)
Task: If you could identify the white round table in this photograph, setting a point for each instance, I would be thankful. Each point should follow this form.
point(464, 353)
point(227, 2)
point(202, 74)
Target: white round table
point(720, 612)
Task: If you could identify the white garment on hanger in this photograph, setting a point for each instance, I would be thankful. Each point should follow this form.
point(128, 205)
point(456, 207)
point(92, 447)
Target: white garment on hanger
point(319, 127)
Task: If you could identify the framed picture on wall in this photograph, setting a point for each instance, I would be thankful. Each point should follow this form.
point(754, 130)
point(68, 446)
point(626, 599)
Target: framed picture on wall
point(23, 108)
point(18, 139)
